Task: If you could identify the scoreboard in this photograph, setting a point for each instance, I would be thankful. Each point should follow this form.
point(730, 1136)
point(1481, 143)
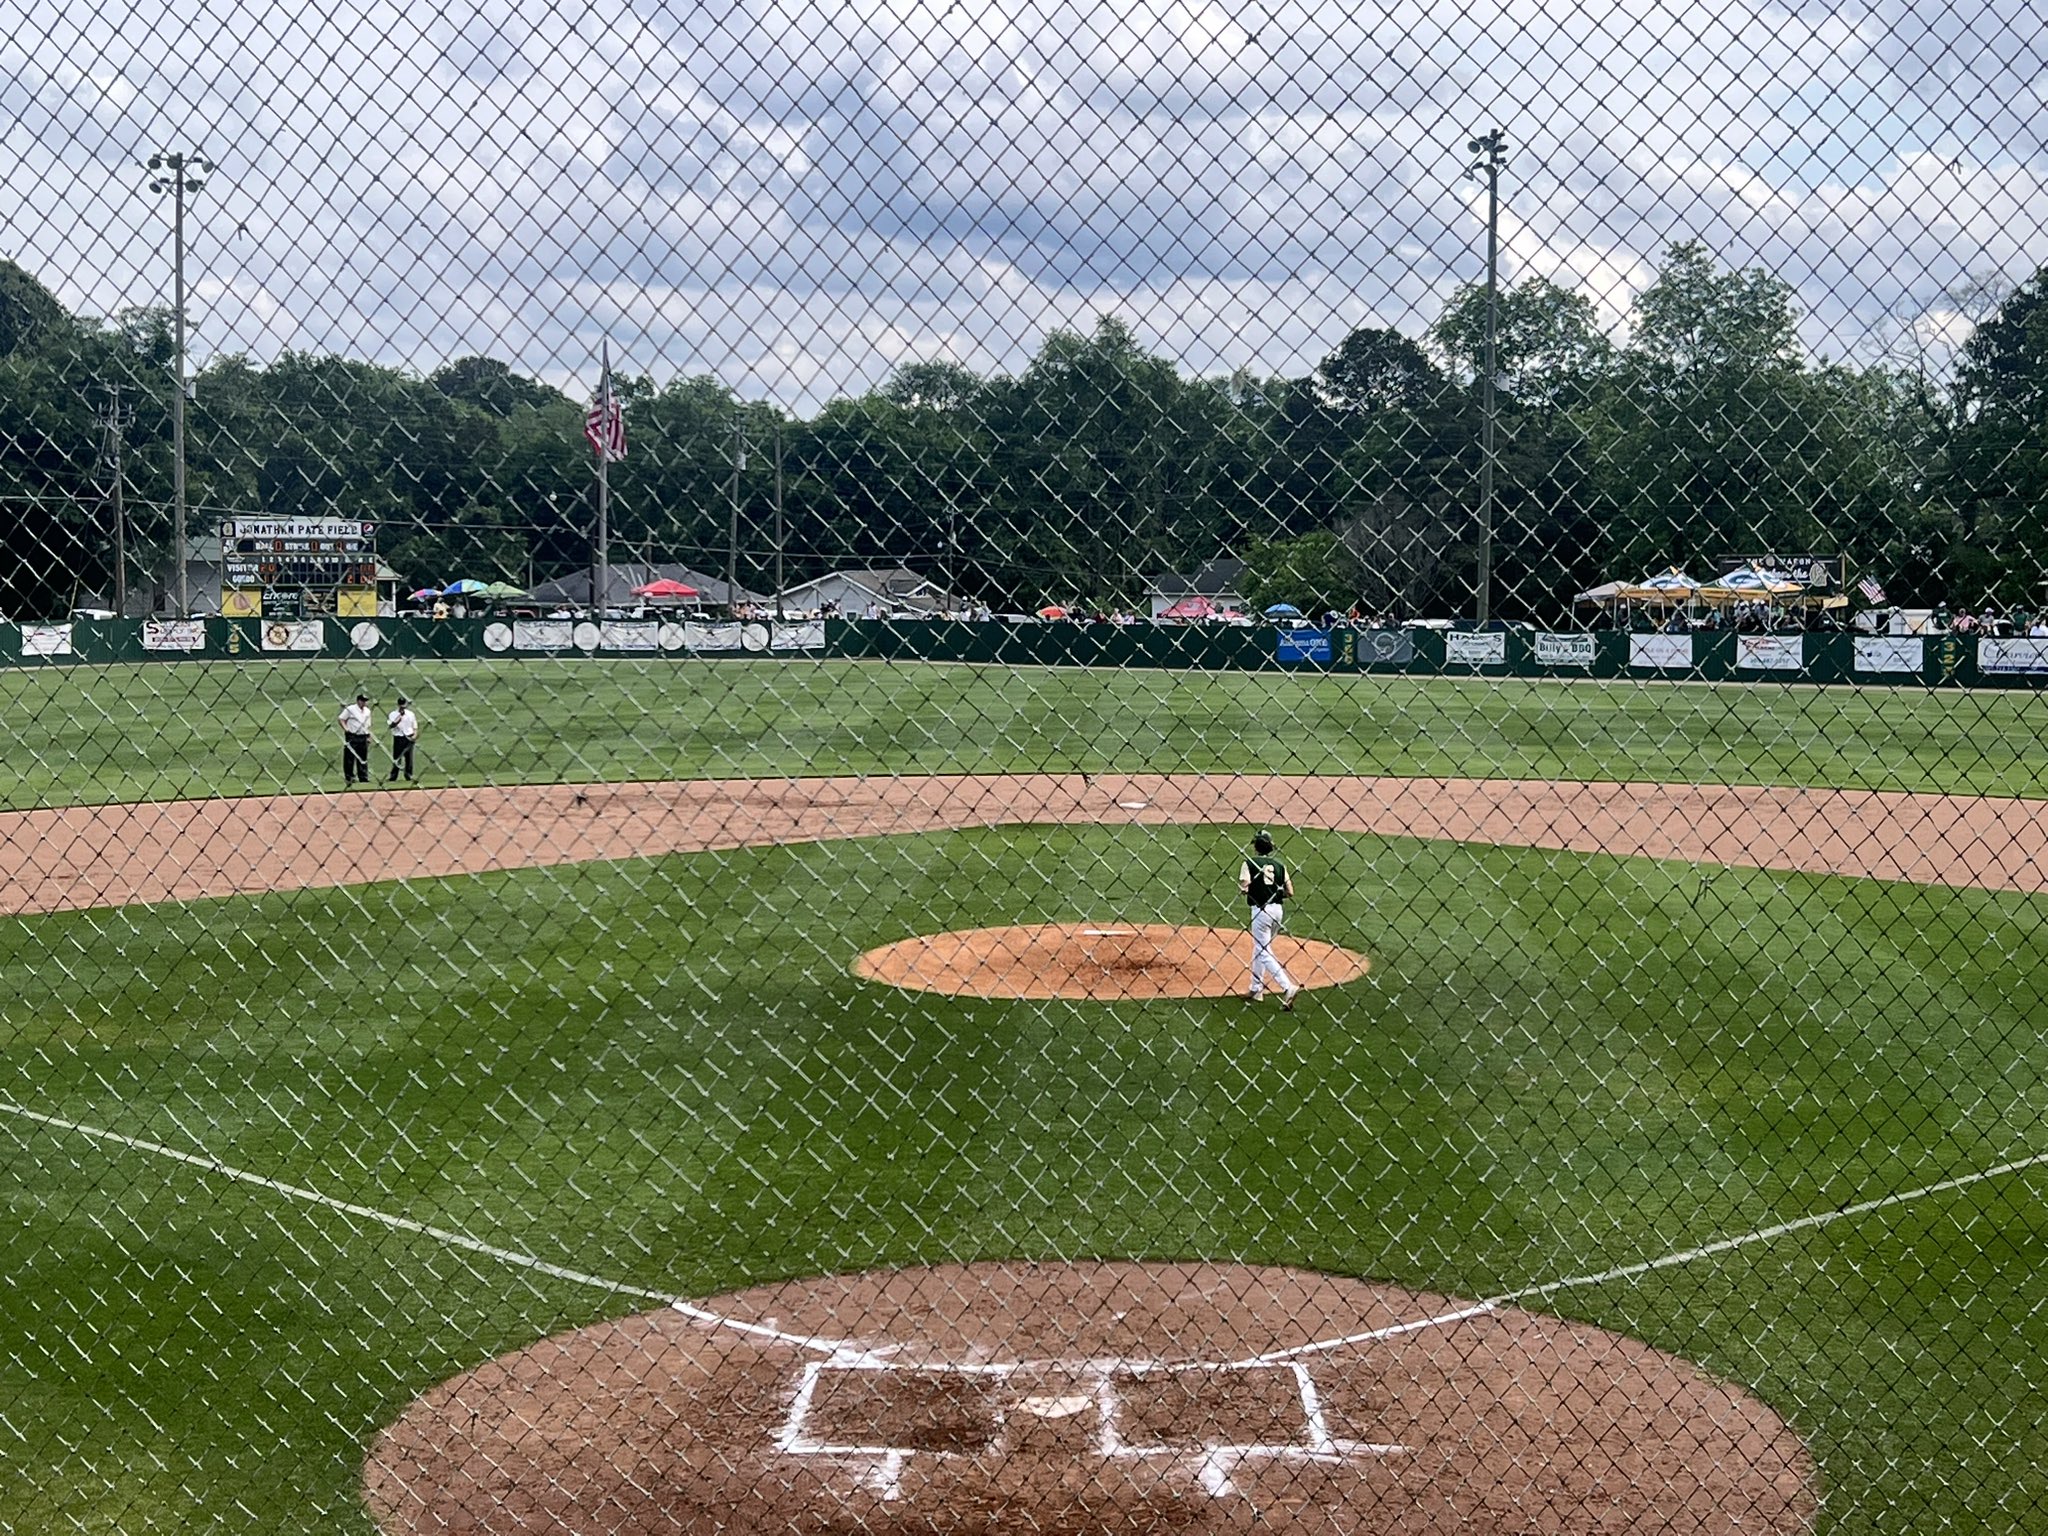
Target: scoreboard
point(298, 552)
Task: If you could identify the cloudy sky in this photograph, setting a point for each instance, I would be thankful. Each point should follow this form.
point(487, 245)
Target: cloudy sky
point(798, 197)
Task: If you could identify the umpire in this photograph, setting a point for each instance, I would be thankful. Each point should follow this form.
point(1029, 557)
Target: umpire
point(355, 741)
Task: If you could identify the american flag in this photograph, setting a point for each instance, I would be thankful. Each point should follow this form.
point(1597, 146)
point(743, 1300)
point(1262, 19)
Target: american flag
point(605, 424)
point(1872, 592)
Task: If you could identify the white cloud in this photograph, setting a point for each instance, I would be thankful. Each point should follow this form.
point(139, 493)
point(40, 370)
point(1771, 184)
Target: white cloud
point(798, 196)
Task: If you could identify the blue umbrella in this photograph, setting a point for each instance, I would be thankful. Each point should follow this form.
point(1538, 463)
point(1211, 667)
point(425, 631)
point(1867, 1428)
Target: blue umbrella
point(464, 587)
point(1282, 611)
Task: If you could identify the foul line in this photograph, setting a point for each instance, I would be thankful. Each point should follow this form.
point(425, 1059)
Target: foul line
point(848, 1348)
point(1668, 1261)
point(1767, 1234)
point(306, 1196)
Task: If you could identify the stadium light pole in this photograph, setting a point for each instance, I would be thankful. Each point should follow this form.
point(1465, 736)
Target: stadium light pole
point(178, 174)
point(1491, 148)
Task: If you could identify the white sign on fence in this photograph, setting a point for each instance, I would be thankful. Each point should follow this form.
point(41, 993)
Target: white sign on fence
point(173, 634)
point(806, 636)
point(2009, 656)
point(1770, 653)
point(1665, 652)
point(1462, 649)
point(543, 634)
point(623, 635)
point(1891, 653)
point(46, 639)
point(1565, 650)
point(293, 634)
point(712, 637)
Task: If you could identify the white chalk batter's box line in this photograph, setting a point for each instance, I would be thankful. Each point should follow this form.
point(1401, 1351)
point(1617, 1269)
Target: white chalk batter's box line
point(1098, 1381)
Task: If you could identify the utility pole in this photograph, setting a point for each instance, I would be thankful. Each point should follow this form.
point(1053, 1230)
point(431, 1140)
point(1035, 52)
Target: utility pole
point(780, 527)
point(178, 174)
point(113, 419)
point(732, 529)
point(1492, 150)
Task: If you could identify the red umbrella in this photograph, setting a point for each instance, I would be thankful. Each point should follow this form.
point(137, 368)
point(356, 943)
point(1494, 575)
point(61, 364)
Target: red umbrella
point(666, 588)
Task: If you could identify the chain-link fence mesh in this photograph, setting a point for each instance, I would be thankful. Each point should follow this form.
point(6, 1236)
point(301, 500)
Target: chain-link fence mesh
point(1023, 768)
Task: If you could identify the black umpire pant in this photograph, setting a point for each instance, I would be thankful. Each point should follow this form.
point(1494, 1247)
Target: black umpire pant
point(355, 758)
point(401, 753)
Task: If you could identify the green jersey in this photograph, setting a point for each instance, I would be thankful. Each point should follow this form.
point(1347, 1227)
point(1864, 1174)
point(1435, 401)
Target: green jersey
point(1268, 880)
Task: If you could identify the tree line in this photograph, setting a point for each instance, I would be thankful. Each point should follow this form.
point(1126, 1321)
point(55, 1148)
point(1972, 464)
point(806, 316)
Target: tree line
point(1699, 430)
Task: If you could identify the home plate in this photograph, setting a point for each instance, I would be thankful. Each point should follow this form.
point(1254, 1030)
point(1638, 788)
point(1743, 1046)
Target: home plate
point(1134, 805)
point(1109, 933)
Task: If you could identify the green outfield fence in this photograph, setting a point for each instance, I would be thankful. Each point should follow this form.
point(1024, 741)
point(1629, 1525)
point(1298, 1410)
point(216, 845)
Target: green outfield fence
point(1396, 964)
point(1937, 660)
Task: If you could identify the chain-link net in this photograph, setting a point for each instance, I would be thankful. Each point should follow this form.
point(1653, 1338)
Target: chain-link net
point(1023, 768)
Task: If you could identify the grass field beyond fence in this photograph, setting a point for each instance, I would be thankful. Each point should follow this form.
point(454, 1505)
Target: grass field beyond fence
point(174, 731)
point(236, 1135)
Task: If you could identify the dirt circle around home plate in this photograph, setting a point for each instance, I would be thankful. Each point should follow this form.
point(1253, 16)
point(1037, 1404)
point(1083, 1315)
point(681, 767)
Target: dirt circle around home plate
point(1103, 961)
point(1098, 1398)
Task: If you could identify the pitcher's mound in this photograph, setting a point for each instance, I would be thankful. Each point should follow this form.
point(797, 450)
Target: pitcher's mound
point(1103, 961)
point(1089, 1400)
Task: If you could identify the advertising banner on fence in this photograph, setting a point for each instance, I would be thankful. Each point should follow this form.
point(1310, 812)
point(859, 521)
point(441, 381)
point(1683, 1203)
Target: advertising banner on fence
point(542, 634)
point(46, 640)
point(806, 636)
point(173, 635)
point(1891, 653)
point(629, 635)
point(1386, 648)
point(1565, 650)
point(712, 637)
point(1303, 645)
point(1665, 652)
point(1770, 653)
point(1469, 650)
point(293, 635)
point(2007, 656)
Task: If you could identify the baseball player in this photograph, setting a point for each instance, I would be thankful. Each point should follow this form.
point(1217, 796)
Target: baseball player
point(1266, 884)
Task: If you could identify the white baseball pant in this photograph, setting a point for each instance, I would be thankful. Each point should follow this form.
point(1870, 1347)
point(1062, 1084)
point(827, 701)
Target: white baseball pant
point(1265, 967)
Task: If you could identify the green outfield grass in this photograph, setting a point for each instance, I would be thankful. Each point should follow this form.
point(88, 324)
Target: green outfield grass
point(173, 731)
point(1556, 1066)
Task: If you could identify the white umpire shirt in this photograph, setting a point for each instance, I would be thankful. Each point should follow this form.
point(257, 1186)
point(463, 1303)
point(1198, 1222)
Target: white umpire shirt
point(355, 719)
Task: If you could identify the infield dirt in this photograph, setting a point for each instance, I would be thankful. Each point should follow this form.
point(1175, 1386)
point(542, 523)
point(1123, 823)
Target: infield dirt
point(1098, 1398)
point(112, 855)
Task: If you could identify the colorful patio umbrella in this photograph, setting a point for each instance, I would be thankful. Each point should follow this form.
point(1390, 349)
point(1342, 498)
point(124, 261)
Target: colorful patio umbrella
point(666, 587)
point(426, 592)
point(464, 587)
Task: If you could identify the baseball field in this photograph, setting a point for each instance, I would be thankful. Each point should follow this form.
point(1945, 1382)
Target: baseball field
point(573, 1028)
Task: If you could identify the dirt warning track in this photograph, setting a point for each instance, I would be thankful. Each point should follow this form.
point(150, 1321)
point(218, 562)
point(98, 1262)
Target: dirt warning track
point(113, 855)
